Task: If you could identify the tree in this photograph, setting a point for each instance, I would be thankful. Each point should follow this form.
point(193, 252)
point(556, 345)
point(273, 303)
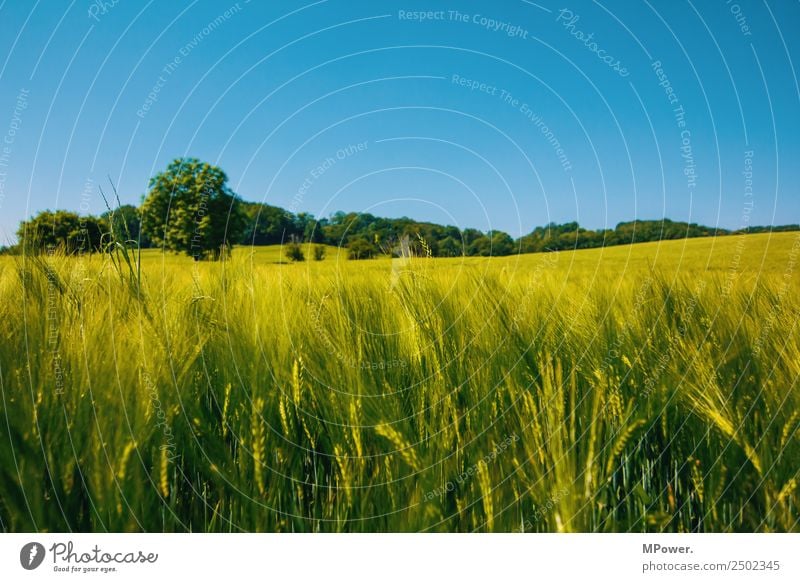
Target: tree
point(480, 247)
point(305, 226)
point(470, 235)
point(191, 209)
point(265, 224)
point(62, 230)
point(294, 251)
point(502, 244)
point(361, 248)
point(450, 247)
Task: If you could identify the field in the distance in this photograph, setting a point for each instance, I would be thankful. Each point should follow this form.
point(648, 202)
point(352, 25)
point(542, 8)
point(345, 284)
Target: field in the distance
point(650, 387)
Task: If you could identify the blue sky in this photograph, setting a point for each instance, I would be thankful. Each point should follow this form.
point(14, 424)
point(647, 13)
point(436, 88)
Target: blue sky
point(482, 114)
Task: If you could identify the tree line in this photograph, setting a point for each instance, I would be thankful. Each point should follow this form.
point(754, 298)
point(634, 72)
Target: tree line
point(190, 209)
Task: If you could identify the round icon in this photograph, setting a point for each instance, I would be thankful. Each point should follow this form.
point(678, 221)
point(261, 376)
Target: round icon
point(31, 555)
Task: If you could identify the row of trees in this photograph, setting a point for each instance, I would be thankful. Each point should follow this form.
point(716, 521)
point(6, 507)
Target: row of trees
point(191, 209)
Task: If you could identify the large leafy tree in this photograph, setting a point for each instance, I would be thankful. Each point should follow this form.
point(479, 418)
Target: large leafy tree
point(191, 209)
point(66, 231)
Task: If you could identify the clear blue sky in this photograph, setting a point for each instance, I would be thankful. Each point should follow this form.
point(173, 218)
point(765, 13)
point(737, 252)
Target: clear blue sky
point(271, 90)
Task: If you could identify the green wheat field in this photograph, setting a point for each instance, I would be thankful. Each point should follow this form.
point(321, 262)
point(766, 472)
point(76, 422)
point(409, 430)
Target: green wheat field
point(651, 387)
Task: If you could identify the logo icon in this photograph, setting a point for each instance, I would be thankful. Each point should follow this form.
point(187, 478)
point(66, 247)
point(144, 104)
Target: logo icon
point(31, 555)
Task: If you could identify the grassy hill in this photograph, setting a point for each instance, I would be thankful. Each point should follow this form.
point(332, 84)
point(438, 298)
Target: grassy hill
point(690, 252)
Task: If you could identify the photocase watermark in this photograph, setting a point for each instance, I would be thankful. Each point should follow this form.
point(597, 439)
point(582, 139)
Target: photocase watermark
point(568, 20)
point(383, 364)
point(748, 177)
point(537, 120)
point(404, 257)
point(67, 559)
point(162, 421)
point(31, 555)
point(486, 22)
point(197, 248)
point(664, 82)
point(100, 8)
point(333, 349)
point(666, 355)
point(490, 24)
point(322, 168)
point(679, 113)
point(788, 273)
point(53, 328)
point(542, 510)
point(84, 236)
point(474, 85)
point(526, 110)
point(421, 15)
point(169, 69)
point(687, 154)
point(10, 137)
point(744, 224)
point(85, 206)
point(316, 173)
point(613, 353)
point(741, 19)
point(534, 282)
point(467, 474)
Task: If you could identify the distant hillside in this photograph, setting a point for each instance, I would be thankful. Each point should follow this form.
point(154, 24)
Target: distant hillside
point(373, 234)
point(368, 235)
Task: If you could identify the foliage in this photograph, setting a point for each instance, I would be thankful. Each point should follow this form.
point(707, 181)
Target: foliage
point(191, 209)
point(450, 247)
point(201, 232)
point(319, 252)
point(266, 225)
point(65, 231)
point(361, 248)
point(294, 251)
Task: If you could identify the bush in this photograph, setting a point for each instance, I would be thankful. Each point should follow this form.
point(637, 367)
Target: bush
point(361, 249)
point(63, 230)
point(319, 252)
point(294, 252)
